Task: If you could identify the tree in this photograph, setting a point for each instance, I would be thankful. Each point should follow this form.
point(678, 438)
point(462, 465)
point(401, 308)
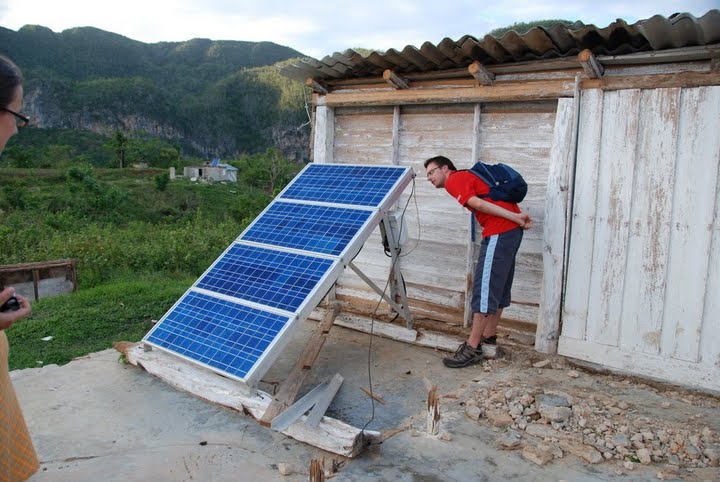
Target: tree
point(523, 27)
point(119, 145)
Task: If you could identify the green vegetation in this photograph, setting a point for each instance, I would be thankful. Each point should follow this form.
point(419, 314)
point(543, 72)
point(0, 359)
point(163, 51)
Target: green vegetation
point(170, 100)
point(523, 27)
point(139, 240)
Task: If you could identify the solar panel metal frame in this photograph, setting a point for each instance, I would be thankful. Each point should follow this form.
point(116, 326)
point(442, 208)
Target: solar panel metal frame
point(339, 262)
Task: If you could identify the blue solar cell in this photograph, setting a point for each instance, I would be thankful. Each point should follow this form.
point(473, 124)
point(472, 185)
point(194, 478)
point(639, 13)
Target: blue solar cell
point(322, 229)
point(223, 335)
point(343, 184)
point(266, 276)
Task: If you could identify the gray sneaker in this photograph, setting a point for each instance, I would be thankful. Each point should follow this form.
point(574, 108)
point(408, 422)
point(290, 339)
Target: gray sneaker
point(465, 355)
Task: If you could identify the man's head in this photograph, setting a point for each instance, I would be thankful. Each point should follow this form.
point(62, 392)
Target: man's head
point(437, 169)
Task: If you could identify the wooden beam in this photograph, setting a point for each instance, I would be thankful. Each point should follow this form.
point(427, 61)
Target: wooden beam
point(481, 73)
point(592, 67)
point(661, 81)
point(316, 86)
point(510, 91)
point(291, 385)
point(395, 80)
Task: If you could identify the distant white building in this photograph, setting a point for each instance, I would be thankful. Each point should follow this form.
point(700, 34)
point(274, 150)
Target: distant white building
point(214, 171)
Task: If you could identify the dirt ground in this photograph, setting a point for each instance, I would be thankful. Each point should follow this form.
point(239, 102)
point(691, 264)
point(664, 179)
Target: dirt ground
point(504, 419)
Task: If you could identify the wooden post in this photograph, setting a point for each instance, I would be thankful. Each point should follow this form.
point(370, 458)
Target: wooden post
point(481, 73)
point(395, 80)
point(433, 408)
point(323, 141)
point(472, 247)
point(590, 64)
point(317, 470)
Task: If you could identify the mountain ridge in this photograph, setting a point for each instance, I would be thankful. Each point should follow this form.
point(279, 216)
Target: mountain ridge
point(210, 97)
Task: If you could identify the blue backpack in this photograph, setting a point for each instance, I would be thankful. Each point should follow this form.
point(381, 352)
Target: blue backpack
point(506, 184)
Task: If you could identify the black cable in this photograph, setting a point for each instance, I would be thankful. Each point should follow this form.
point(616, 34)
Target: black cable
point(377, 306)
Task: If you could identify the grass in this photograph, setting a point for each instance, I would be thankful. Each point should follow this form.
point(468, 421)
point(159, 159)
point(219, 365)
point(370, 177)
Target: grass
point(91, 320)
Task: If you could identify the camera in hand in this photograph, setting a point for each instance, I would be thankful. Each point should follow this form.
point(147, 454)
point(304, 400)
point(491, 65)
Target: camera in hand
point(10, 305)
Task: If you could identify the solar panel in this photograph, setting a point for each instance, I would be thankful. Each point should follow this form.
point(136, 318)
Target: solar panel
point(321, 229)
point(237, 316)
point(274, 278)
point(344, 184)
point(219, 333)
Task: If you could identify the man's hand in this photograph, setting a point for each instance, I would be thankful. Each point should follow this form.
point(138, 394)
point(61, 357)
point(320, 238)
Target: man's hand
point(524, 220)
point(7, 318)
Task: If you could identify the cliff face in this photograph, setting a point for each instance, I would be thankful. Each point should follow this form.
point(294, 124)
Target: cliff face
point(210, 98)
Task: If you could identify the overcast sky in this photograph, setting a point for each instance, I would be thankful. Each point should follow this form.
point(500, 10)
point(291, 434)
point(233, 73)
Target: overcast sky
point(321, 28)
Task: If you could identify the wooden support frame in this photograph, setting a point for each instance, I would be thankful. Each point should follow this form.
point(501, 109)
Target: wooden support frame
point(481, 73)
point(291, 386)
point(324, 134)
point(318, 399)
point(395, 80)
point(330, 434)
point(590, 64)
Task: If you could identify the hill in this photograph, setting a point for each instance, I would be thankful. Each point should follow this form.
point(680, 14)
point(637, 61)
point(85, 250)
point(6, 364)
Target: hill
point(207, 98)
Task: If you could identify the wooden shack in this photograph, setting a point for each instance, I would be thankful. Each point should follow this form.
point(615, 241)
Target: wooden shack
point(616, 130)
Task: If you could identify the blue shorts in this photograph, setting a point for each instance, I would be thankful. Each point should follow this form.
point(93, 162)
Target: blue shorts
point(495, 271)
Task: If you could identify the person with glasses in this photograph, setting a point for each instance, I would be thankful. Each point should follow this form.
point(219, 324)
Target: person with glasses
point(18, 460)
point(503, 224)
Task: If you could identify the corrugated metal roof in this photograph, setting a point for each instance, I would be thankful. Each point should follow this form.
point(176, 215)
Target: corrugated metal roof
point(539, 43)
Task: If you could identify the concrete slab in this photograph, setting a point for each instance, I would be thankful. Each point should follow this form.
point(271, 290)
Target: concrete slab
point(97, 419)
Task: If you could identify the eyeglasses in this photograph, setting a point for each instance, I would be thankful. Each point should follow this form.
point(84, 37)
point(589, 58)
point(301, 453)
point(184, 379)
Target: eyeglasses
point(21, 120)
point(430, 172)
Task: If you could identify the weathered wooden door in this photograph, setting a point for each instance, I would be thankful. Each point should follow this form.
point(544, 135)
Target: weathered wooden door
point(642, 292)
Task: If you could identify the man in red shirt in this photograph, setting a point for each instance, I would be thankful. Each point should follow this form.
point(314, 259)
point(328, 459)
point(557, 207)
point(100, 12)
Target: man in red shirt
point(503, 224)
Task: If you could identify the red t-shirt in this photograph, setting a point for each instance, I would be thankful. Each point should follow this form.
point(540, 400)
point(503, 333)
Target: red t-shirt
point(463, 185)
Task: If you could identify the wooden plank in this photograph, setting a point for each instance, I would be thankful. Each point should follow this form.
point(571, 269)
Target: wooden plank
point(324, 134)
point(396, 135)
point(692, 218)
point(331, 434)
point(710, 333)
point(581, 241)
point(473, 229)
point(650, 218)
point(501, 91)
point(680, 372)
point(290, 387)
point(617, 160)
point(562, 158)
point(657, 81)
point(321, 406)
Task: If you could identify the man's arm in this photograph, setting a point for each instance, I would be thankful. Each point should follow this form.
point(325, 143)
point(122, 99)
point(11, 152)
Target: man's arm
point(521, 219)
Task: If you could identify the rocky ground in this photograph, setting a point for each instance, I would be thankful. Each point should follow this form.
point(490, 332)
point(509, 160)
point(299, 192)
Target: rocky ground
point(547, 409)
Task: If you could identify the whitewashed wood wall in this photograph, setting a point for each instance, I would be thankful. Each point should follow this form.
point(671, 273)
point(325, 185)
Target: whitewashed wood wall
point(435, 259)
point(643, 281)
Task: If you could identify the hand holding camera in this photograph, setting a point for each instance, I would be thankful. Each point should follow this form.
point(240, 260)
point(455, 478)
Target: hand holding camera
point(12, 307)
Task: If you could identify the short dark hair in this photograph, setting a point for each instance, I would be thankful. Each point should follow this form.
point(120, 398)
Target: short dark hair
point(10, 79)
point(440, 161)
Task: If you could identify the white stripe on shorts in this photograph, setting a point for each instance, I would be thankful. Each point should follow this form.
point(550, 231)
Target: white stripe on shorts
point(487, 270)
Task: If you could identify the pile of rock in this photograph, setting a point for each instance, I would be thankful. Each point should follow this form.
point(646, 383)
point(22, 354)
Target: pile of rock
point(547, 424)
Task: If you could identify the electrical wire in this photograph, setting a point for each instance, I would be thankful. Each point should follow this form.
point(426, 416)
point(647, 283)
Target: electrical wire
point(377, 306)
